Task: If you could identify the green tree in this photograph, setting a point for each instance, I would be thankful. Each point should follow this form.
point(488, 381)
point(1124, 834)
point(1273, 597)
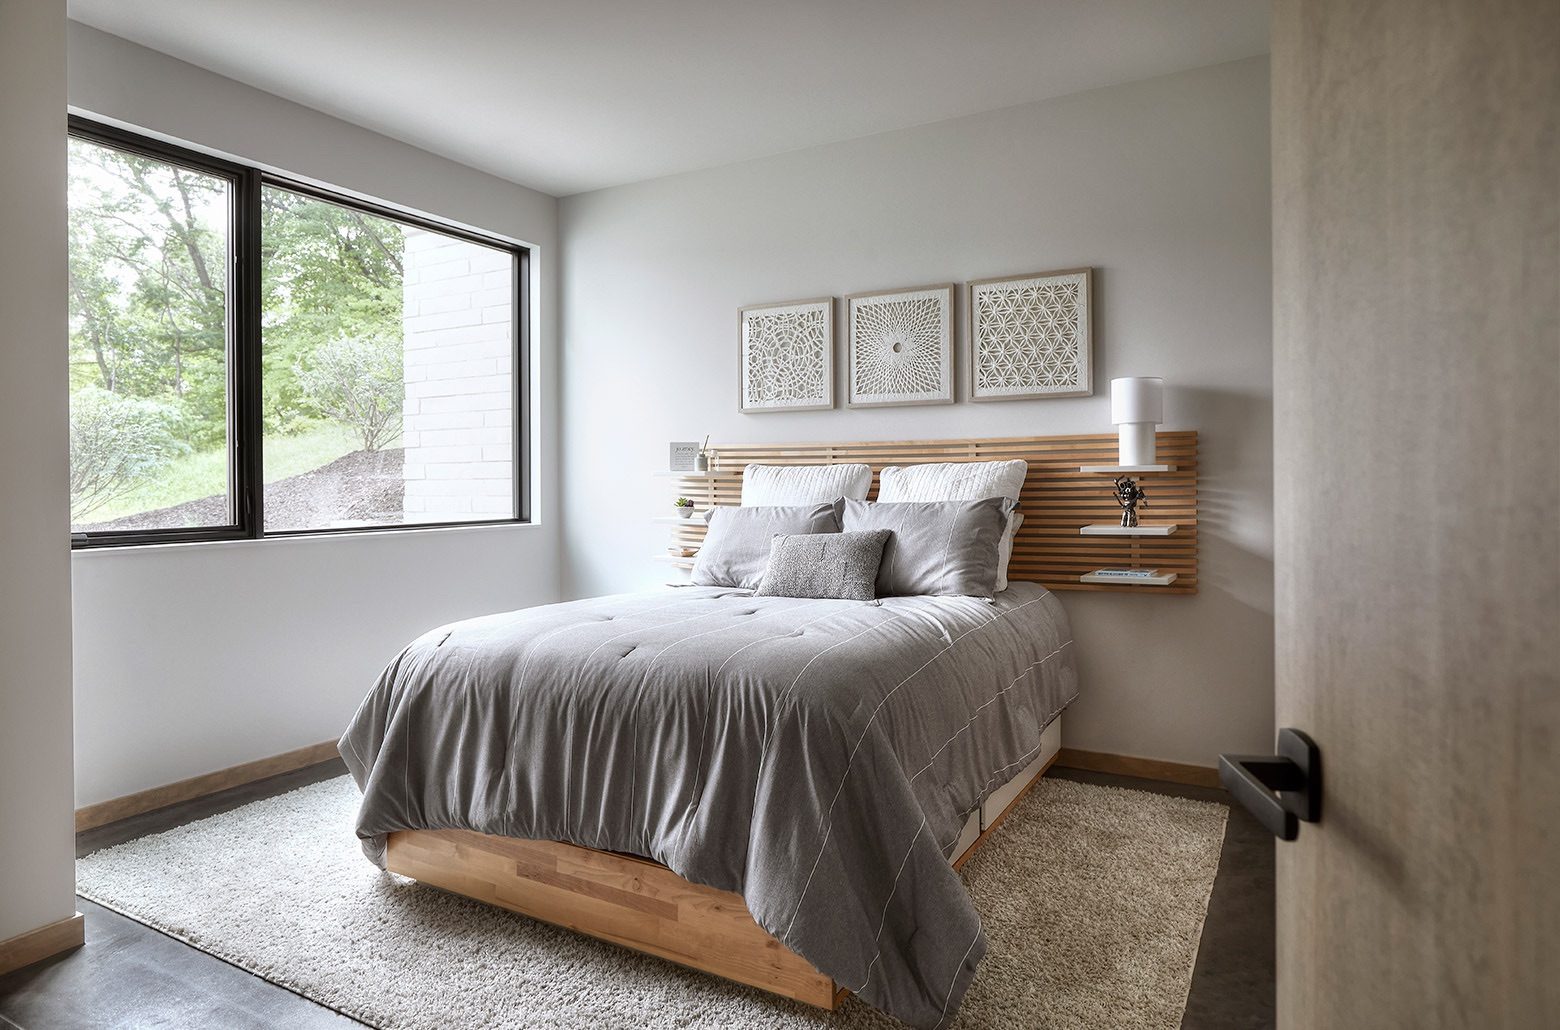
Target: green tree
point(330, 272)
point(148, 284)
point(149, 313)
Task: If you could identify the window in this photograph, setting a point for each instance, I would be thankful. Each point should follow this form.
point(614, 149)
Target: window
point(150, 342)
point(252, 356)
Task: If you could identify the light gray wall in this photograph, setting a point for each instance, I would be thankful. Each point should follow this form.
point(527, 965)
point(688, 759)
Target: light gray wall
point(37, 873)
point(1161, 185)
point(195, 657)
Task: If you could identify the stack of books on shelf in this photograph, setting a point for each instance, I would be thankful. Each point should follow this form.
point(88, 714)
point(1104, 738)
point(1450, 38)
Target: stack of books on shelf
point(1135, 577)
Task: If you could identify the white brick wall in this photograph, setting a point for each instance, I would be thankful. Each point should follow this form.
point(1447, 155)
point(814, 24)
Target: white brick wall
point(456, 425)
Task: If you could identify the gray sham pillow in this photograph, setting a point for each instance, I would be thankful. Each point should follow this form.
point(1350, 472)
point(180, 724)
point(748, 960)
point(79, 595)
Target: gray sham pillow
point(842, 565)
point(947, 548)
point(736, 546)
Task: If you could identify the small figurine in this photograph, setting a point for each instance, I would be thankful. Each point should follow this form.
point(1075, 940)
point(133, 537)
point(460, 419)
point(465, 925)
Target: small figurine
point(1129, 495)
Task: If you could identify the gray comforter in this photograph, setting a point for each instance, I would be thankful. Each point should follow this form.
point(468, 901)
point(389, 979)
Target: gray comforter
point(820, 757)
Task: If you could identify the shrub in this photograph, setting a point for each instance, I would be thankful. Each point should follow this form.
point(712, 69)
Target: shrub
point(360, 384)
point(115, 443)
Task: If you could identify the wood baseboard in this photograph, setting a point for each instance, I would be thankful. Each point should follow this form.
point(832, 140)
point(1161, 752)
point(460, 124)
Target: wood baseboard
point(45, 942)
point(105, 812)
point(1143, 768)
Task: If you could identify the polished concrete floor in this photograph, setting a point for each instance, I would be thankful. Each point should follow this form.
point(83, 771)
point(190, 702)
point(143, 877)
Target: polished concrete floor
point(129, 975)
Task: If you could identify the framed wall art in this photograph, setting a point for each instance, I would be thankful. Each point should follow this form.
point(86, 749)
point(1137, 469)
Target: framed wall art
point(786, 356)
point(901, 346)
point(1031, 336)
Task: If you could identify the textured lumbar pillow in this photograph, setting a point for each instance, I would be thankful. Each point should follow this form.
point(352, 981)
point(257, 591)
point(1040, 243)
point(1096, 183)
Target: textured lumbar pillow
point(843, 565)
point(961, 481)
point(803, 484)
point(938, 547)
point(736, 547)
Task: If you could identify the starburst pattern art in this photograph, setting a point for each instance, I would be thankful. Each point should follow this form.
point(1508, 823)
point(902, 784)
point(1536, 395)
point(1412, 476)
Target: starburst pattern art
point(901, 347)
point(788, 356)
point(1030, 337)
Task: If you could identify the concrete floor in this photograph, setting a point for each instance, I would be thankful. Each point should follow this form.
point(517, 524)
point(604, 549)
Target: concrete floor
point(129, 975)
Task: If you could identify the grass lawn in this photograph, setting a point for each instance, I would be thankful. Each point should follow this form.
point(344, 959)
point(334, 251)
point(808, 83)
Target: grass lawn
point(204, 473)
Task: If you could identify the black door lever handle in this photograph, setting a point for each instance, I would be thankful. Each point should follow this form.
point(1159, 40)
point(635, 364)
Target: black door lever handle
point(1281, 790)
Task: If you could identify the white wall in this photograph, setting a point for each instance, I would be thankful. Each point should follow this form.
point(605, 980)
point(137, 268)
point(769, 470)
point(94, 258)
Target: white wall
point(1162, 186)
point(37, 872)
point(195, 657)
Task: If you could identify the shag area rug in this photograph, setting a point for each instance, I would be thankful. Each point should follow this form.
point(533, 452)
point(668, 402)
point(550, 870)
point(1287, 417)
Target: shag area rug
point(1093, 900)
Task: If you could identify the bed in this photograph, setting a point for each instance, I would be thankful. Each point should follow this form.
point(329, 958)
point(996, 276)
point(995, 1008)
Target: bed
point(774, 790)
point(816, 766)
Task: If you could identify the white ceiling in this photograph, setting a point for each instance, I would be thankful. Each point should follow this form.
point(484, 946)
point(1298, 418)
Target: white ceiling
point(573, 95)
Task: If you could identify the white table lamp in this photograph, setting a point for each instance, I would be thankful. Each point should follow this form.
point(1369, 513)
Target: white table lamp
point(1137, 407)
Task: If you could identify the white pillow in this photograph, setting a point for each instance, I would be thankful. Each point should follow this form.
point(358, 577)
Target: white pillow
point(773, 485)
point(960, 481)
point(953, 481)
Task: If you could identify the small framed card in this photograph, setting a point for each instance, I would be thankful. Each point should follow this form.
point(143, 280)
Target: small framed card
point(684, 455)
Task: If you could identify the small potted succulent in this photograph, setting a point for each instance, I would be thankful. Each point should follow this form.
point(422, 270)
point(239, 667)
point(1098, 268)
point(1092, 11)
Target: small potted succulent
point(684, 507)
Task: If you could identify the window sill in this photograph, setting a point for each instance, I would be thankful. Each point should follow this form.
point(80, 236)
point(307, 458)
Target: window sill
point(309, 536)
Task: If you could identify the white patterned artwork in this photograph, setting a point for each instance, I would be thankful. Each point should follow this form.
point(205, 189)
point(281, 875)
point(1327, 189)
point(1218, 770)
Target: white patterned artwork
point(901, 346)
point(1031, 336)
point(787, 356)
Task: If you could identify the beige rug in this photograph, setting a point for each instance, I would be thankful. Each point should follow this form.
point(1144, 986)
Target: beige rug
point(1093, 899)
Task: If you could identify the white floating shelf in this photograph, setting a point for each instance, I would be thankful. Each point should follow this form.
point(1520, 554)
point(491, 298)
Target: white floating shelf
point(689, 475)
point(1111, 529)
point(1118, 469)
point(696, 519)
point(673, 559)
point(1162, 580)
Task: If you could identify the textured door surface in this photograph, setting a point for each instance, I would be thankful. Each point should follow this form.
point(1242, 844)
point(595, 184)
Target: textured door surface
point(1417, 429)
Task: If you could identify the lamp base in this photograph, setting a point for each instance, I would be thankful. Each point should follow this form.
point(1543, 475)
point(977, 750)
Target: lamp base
point(1136, 443)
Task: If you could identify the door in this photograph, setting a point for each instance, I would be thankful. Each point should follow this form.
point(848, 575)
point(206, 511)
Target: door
point(1417, 434)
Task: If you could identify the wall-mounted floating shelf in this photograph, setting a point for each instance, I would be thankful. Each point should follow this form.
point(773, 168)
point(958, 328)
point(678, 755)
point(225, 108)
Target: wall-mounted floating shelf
point(1111, 529)
point(1116, 470)
point(695, 520)
point(1162, 580)
point(672, 559)
point(710, 474)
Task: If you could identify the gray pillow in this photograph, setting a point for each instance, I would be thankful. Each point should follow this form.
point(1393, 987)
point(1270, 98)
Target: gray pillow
point(843, 565)
point(736, 546)
point(938, 547)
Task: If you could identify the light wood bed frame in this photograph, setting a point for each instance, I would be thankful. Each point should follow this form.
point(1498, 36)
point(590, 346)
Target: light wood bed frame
point(643, 905)
point(633, 901)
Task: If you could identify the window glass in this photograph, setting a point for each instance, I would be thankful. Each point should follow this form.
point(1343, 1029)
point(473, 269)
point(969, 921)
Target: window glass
point(150, 250)
point(388, 370)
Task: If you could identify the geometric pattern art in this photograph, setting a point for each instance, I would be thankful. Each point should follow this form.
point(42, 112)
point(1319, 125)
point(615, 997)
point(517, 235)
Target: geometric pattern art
point(787, 356)
point(1030, 336)
point(901, 347)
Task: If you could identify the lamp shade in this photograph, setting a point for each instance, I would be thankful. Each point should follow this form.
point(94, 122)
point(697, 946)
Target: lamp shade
point(1137, 399)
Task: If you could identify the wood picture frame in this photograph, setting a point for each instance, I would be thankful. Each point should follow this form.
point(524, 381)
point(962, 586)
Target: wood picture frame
point(900, 346)
point(1030, 337)
point(785, 356)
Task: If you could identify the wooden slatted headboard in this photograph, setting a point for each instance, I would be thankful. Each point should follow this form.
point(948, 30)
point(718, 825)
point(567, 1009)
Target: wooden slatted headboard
point(1058, 499)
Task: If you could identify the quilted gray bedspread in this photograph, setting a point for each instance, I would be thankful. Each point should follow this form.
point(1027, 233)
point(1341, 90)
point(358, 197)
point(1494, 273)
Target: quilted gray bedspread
point(820, 757)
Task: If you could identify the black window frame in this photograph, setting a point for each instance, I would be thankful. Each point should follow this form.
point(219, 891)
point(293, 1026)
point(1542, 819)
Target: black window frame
point(246, 431)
